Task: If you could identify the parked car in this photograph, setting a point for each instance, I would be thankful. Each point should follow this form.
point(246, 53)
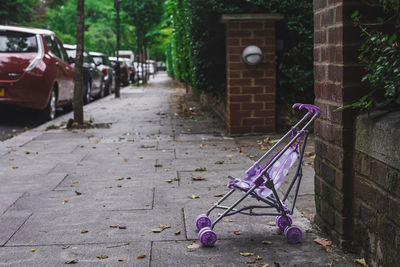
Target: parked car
point(93, 78)
point(104, 65)
point(124, 71)
point(132, 70)
point(35, 70)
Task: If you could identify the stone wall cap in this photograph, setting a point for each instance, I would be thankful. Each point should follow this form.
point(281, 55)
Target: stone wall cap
point(229, 17)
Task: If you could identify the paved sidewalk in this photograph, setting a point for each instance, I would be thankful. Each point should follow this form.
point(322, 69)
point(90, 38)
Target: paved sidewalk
point(96, 197)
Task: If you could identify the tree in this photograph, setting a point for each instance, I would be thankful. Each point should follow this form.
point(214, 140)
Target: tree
point(78, 75)
point(146, 16)
point(18, 11)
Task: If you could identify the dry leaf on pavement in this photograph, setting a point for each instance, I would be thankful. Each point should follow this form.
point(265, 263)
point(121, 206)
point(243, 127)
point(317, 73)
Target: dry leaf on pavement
point(361, 262)
point(246, 254)
point(121, 259)
point(237, 233)
point(194, 196)
point(323, 242)
point(198, 178)
point(141, 256)
point(200, 169)
point(102, 257)
point(32, 250)
point(193, 246)
point(71, 261)
point(228, 220)
point(84, 231)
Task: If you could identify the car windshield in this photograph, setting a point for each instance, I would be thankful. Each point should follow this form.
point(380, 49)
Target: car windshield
point(17, 42)
point(98, 60)
point(71, 52)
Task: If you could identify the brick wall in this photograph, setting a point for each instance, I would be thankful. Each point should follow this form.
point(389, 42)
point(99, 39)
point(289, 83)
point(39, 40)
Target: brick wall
point(251, 90)
point(356, 187)
point(337, 82)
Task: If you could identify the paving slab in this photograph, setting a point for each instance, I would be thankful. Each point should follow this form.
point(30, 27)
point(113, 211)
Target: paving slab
point(227, 253)
point(108, 254)
point(65, 227)
point(10, 223)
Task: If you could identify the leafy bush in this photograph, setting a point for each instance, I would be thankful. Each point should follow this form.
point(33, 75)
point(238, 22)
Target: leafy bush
point(197, 27)
point(380, 53)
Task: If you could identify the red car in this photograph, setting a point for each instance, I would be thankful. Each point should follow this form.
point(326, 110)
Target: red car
point(34, 70)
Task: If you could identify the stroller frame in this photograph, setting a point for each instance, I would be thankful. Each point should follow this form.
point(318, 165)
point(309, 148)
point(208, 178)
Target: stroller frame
point(260, 177)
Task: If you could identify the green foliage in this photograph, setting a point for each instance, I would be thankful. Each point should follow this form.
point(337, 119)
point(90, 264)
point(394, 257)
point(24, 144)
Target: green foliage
point(380, 54)
point(196, 25)
point(19, 12)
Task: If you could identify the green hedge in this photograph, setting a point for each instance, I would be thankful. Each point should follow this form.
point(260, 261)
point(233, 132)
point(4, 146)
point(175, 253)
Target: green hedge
point(198, 44)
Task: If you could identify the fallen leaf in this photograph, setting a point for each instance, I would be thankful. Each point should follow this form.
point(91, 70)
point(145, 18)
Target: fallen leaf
point(122, 227)
point(198, 178)
point(119, 185)
point(119, 179)
point(193, 246)
point(194, 196)
point(84, 231)
point(156, 230)
point(32, 250)
point(65, 201)
point(102, 257)
point(78, 193)
point(266, 242)
point(202, 145)
point(285, 181)
point(237, 233)
point(361, 262)
point(27, 152)
point(259, 258)
point(229, 156)
point(271, 223)
point(246, 254)
point(141, 256)
point(121, 259)
point(71, 261)
point(323, 242)
point(126, 159)
point(75, 182)
point(177, 233)
point(200, 169)
point(220, 162)
point(14, 167)
point(172, 180)
point(164, 226)
point(219, 195)
point(144, 146)
point(158, 165)
point(113, 226)
point(108, 187)
point(228, 220)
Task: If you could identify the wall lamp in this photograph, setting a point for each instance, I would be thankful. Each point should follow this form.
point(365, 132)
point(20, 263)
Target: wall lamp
point(252, 55)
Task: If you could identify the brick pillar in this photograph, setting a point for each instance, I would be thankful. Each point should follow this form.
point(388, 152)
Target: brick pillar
point(251, 90)
point(337, 75)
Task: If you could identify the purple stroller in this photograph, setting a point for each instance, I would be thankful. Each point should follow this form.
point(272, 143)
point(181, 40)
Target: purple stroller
point(262, 183)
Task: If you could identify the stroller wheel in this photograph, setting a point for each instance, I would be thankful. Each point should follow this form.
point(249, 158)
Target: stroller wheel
point(208, 237)
point(203, 221)
point(293, 234)
point(281, 222)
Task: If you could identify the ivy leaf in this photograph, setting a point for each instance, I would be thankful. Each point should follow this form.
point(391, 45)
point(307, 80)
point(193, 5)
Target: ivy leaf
point(392, 39)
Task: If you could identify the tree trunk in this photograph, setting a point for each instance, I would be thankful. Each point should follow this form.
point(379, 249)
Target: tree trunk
point(78, 75)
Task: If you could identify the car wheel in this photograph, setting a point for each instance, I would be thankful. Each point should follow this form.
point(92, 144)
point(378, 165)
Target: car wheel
point(86, 97)
point(49, 113)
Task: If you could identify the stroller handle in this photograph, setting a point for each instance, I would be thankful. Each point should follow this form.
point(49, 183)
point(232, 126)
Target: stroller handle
point(311, 108)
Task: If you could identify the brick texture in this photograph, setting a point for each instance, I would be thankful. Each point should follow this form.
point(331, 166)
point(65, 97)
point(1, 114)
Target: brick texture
point(357, 197)
point(251, 90)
